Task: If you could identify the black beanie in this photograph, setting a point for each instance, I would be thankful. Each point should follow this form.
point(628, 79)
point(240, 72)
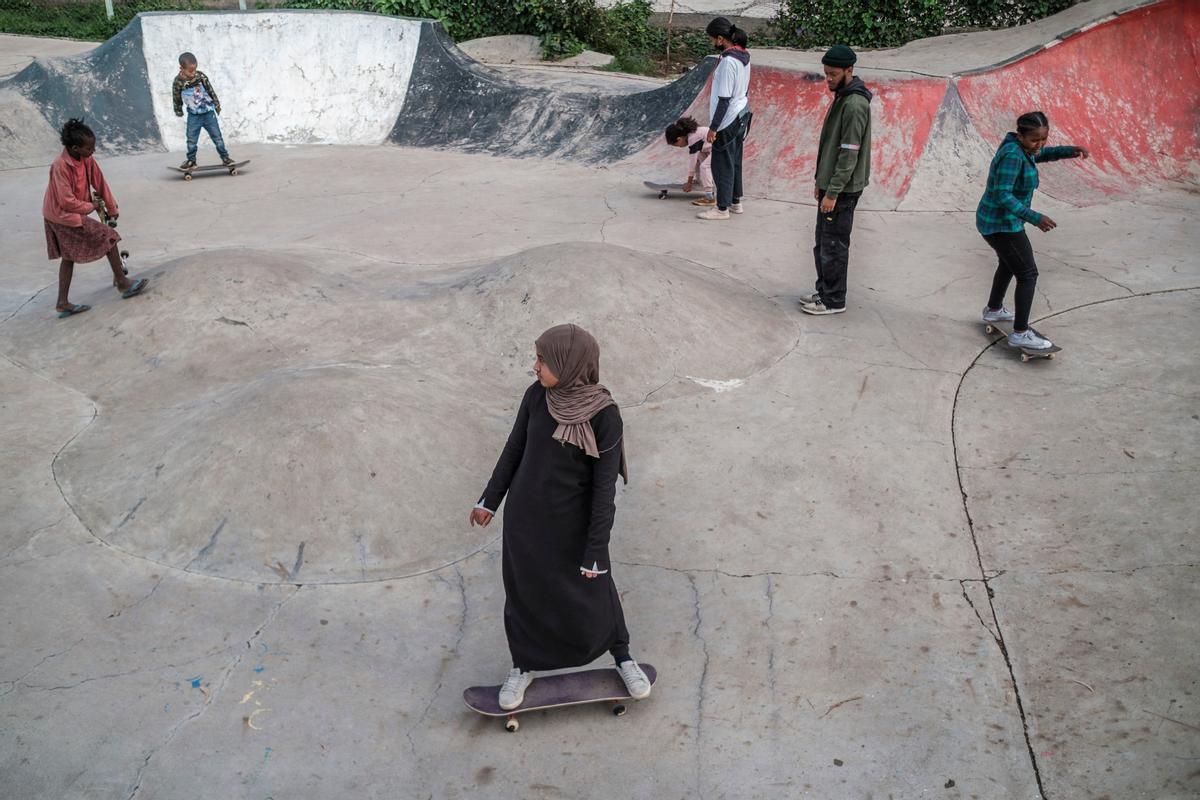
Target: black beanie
point(839, 56)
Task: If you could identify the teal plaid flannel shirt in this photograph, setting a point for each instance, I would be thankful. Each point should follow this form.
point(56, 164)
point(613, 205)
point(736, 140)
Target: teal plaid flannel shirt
point(1012, 180)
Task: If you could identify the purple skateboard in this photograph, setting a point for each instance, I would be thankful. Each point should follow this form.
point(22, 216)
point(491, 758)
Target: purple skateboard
point(553, 691)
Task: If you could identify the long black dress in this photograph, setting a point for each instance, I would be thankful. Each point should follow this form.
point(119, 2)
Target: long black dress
point(558, 518)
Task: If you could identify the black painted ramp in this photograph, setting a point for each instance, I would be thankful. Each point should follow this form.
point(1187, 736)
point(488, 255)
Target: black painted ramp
point(455, 102)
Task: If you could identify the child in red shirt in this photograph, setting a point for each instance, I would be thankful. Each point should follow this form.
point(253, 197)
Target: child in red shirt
point(71, 234)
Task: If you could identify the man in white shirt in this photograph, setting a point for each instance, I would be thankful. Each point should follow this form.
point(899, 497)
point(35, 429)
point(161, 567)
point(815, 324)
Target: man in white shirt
point(729, 114)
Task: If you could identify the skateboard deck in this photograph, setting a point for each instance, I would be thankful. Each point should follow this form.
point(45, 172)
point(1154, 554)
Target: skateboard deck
point(1027, 353)
point(102, 213)
point(664, 189)
point(232, 168)
point(554, 691)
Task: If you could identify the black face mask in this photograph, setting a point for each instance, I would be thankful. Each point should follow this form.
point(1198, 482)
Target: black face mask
point(720, 48)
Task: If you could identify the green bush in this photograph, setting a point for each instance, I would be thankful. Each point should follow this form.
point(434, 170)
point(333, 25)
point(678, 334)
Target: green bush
point(87, 21)
point(891, 23)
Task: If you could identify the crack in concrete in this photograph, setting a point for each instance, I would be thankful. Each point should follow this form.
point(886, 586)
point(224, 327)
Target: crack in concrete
point(211, 697)
point(446, 659)
point(37, 666)
point(700, 697)
point(780, 574)
point(33, 535)
point(32, 297)
point(121, 611)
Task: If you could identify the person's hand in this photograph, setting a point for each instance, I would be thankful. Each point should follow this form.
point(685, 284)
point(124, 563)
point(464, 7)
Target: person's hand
point(217, 109)
point(587, 573)
point(1047, 224)
point(816, 193)
point(481, 517)
point(179, 113)
point(711, 137)
point(828, 203)
point(1082, 152)
point(687, 185)
point(114, 217)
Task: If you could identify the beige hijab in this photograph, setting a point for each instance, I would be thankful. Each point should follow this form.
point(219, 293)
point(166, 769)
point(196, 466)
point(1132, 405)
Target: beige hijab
point(573, 355)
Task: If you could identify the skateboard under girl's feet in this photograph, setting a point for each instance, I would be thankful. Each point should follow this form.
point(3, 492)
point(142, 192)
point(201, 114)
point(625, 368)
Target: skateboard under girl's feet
point(1027, 353)
point(553, 691)
point(233, 168)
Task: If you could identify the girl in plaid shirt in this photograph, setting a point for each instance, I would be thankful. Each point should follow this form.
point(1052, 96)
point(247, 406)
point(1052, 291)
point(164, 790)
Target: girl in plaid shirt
point(1001, 217)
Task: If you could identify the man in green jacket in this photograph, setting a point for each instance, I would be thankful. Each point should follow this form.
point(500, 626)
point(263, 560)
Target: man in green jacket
point(843, 171)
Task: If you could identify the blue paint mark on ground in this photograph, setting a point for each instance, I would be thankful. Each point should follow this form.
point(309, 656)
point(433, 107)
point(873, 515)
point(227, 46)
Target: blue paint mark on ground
point(196, 681)
point(259, 669)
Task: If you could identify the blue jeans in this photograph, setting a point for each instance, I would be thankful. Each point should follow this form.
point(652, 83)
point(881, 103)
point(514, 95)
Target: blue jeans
point(207, 121)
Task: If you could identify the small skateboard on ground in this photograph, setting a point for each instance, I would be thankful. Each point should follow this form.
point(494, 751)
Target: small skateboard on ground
point(102, 213)
point(233, 168)
point(1027, 353)
point(664, 189)
point(553, 691)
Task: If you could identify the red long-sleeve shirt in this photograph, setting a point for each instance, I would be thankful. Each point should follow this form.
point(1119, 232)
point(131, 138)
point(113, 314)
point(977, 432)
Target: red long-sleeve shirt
point(68, 198)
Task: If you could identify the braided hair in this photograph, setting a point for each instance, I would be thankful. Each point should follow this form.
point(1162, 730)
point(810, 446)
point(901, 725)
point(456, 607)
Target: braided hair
point(76, 134)
point(1031, 121)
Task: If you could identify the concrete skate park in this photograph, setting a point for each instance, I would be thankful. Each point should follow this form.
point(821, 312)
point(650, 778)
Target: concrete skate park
point(872, 555)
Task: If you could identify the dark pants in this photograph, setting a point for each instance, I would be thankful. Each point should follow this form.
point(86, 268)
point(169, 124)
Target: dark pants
point(1016, 259)
point(727, 163)
point(832, 250)
point(207, 121)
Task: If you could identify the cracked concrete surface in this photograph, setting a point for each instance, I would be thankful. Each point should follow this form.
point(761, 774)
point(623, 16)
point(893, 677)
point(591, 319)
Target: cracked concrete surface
point(890, 560)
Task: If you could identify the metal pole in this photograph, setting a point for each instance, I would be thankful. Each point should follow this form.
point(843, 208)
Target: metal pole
point(108, 8)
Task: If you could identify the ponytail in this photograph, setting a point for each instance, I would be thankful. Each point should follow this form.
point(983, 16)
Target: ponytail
point(682, 127)
point(738, 36)
point(722, 27)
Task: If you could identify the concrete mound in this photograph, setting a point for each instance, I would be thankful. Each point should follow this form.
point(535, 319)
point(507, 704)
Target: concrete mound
point(317, 426)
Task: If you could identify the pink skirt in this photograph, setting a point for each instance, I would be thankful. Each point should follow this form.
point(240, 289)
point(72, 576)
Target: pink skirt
point(87, 243)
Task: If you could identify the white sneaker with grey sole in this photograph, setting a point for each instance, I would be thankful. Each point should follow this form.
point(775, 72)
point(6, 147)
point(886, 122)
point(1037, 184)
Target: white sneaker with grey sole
point(713, 213)
point(1000, 314)
point(635, 680)
point(818, 308)
point(512, 692)
point(736, 208)
point(1029, 339)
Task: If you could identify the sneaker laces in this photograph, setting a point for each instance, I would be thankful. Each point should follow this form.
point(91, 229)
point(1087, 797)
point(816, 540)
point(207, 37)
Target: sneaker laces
point(512, 681)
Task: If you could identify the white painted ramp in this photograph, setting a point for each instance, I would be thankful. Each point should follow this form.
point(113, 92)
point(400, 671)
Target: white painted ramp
point(282, 76)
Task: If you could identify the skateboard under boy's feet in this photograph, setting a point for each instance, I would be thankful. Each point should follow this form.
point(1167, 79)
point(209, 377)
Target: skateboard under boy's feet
point(1027, 353)
point(233, 168)
point(553, 691)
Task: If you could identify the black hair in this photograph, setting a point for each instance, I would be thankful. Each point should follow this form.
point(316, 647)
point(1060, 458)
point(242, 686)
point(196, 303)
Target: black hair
point(75, 133)
point(724, 28)
point(1031, 121)
point(186, 59)
point(684, 126)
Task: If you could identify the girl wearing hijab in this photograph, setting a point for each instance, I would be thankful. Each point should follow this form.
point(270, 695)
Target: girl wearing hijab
point(559, 472)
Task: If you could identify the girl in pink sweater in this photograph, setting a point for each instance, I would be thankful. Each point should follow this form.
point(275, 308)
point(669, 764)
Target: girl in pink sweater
point(71, 234)
point(686, 132)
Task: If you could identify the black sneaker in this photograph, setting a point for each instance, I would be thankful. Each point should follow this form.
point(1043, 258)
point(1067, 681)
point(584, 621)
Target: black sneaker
point(819, 308)
point(189, 164)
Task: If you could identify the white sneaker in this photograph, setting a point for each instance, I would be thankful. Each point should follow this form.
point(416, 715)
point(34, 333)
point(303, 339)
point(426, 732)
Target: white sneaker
point(512, 693)
point(635, 680)
point(1029, 339)
point(737, 207)
point(818, 308)
point(1000, 314)
point(713, 213)
point(810, 298)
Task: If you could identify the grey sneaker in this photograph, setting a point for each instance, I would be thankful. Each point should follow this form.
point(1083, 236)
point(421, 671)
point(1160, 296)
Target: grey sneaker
point(818, 308)
point(227, 160)
point(736, 208)
point(1000, 314)
point(1029, 339)
point(189, 164)
point(635, 680)
point(810, 298)
point(512, 693)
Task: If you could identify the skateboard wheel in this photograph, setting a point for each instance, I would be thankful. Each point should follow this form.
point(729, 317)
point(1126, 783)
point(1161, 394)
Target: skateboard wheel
point(124, 254)
point(662, 194)
point(619, 710)
point(187, 177)
point(511, 725)
point(989, 329)
point(233, 172)
point(1051, 356)
point(1025, 358)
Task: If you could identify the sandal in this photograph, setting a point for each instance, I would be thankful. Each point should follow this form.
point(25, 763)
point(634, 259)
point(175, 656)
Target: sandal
point(136, 289)
point(74, 309)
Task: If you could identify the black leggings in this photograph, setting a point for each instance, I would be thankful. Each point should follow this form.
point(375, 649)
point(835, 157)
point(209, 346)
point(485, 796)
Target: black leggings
point(1016, 260)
